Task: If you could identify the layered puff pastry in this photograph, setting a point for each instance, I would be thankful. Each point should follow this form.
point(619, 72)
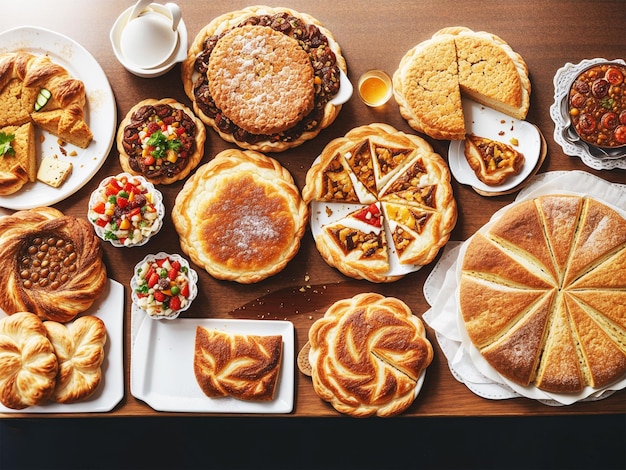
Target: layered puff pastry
point(245, 367)
point(435, 75)
point(161, 140)
point(52, 262)
point(28, 364)
point(402, 200)
point(263, 78)
point(240, 216)
point(22, 77)
point(367, 354)
point(79, 348)
point(542, 293)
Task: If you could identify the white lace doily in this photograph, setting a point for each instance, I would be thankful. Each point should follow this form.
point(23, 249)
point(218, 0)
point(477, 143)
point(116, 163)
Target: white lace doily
point(565, 135)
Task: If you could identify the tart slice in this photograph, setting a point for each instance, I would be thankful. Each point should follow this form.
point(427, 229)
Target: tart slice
point(493, 162)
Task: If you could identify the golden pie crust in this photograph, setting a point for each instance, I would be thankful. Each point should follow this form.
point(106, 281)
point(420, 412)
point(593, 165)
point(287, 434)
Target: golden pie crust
point(285, 117)
point(130, 148)
point(542, 293)
point(405, 179)
point(433, 76)
point(240, 216)
point(367, 354)
point(52, 262)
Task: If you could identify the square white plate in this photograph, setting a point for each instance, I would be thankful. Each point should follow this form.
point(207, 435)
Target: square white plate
point(110, 309)
point(161, 369)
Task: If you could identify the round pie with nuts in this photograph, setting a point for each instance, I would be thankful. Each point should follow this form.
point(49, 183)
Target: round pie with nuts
point(381, 203)
point(52, 264)
point(161, 140)
point(264, 78)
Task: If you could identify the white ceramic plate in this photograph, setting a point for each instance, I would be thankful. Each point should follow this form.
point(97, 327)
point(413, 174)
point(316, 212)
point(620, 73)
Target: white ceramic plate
point(161, 369)
point(110, 309)
point(100, 115)
point(487, 122)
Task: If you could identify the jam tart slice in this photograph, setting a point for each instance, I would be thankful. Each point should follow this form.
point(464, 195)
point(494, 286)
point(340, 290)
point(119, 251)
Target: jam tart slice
point(493, 162)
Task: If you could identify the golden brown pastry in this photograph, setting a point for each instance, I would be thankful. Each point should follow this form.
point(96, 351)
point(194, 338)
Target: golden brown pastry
point(52, 264)
point(28, 365)
point(246, 367)
point(19, 165)
point(456, 62)
point(281, 107)
point(240, 216)
point(542, 293)
point(367, 354)
point(161, 140)
point(22, 77)
point(79, 348)
point(493, 162)
point(404, 190)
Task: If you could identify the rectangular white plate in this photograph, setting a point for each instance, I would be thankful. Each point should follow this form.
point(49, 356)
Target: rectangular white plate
point(161, 368)
point(110, 309)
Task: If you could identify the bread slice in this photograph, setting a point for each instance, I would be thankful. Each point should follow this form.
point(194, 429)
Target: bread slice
point(18, 169)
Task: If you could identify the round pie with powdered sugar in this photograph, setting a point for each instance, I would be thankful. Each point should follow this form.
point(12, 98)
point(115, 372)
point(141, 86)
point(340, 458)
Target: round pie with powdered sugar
point(240, 216)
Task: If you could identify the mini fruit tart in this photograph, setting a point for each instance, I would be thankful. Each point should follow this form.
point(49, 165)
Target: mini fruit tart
point(126, 210)
point(163, 285)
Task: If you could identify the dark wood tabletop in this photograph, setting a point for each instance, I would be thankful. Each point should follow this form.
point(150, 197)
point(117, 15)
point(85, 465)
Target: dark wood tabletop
point(371, 35)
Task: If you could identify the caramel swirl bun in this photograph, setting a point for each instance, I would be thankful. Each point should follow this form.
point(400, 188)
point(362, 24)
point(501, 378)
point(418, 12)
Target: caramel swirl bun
point(53, 264)
point(79, 348)
point(28, 365)
point(367, 354)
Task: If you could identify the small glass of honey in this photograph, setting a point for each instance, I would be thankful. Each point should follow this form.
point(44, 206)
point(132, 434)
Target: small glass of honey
point(375, 88)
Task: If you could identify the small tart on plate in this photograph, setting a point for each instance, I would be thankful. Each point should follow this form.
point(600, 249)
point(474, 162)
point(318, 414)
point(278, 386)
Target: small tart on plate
point(240, 216)
point(161, 140)
point(284, 67)
point(492, 161)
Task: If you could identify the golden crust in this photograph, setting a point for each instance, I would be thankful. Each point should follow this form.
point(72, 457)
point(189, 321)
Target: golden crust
point(63, 114)
point(433, 76)
point(379, 163)
point(493, 162)
point(21, 168)
point(79, 348)
point(81, 262)
point(240, 216)
point(541, 293)
point(221, 25)
point(367, 354)
point(246, 367)
point(28, 365)
point(131, 120)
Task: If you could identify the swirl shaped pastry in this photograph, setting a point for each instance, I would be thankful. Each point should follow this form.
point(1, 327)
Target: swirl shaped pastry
point(22, 76)
point(53, 262)
point(28, 365)
point(367, 354)
point(240, 216)
point(79, 348)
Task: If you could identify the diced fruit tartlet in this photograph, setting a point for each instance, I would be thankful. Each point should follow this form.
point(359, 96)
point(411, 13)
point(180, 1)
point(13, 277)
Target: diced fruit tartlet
point(163, 285)
point(126, 210)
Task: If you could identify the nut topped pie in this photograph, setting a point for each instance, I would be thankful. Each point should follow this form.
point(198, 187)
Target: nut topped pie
point(264, 77)
point(387, 201)
point(434, 76)
point(240, 216)
point(542, 293)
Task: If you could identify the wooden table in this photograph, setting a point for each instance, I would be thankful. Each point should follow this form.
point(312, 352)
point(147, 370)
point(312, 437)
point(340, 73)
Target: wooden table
point(371, 35)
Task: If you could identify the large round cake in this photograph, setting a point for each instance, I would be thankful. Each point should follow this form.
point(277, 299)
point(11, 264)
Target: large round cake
point(542, 293)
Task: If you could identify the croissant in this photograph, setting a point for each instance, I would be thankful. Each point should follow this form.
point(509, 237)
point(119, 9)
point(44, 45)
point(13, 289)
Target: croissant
point(22, 76)
point(79, 348)
point(367, 354)
point(28, 364)
point(53, 264)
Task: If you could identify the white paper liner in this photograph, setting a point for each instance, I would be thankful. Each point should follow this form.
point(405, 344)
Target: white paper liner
point(440, 290)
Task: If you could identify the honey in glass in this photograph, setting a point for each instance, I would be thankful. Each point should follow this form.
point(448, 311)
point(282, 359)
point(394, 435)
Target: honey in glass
point(375, 88)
